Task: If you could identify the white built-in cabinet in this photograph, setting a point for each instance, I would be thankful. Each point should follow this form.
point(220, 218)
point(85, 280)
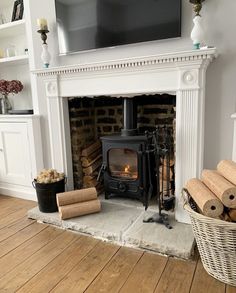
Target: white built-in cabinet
point(20, 154)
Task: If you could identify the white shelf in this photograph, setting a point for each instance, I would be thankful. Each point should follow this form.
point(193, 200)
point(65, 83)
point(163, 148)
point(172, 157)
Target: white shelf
point(12, 29)
point(16, 60)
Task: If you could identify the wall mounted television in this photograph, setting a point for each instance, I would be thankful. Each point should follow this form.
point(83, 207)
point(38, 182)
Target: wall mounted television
point(92, 24)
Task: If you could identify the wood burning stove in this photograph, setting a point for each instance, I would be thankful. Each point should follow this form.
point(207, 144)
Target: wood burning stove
point(125, 159)
point(125, 166)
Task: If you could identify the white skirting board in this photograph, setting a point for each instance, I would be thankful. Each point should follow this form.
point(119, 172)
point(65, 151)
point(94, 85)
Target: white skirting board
point(23, 192)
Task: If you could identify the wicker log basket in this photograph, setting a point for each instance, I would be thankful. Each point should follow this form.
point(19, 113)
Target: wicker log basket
point(216, 242)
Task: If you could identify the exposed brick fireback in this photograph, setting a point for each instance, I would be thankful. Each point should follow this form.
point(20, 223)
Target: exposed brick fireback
point(107, 120)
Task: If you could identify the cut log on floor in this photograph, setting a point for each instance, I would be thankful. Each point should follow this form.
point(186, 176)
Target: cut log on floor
point(207, 202)
point(70, 197)
point(91, 149)
point(79, 209)
point(227, 169)
point(86, 162)
point(89, 170)
point(221, 187)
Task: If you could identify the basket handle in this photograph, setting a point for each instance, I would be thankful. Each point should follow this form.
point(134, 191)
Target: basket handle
point(185, 196)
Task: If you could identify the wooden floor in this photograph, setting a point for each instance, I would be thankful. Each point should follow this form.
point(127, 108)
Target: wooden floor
point(40, 258)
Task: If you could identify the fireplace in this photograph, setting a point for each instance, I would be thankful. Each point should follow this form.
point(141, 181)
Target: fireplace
point(181, 73)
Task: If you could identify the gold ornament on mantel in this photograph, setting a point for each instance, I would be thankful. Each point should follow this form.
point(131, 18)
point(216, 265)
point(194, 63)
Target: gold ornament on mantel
point(197, 6)
point(197, 34)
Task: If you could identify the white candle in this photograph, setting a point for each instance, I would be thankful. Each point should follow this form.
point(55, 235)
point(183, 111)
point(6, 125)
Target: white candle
point(42, 24)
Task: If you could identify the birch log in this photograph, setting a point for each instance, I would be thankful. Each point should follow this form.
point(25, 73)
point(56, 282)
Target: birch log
point(221, 187)
point(79, 209)
point(207, 202)
point(75, 196)
point(227, 169)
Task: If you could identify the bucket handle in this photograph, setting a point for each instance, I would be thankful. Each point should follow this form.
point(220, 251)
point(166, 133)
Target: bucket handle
point(33, 184)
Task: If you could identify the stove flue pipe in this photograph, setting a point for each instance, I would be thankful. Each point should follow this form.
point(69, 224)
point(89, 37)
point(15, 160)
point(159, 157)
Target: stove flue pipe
point(129, 117)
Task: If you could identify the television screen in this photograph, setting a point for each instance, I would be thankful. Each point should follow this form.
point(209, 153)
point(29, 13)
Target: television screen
point(92, 24)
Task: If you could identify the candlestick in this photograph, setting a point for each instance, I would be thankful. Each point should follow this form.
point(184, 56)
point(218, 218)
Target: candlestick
point(197, 34)
point(43, 31)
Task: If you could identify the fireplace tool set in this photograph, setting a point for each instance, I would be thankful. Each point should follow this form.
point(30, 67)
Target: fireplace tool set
point(161, 154)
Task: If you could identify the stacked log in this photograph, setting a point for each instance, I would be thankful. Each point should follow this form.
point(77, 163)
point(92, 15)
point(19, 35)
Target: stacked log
point(215, 193)
point(166, 174)
point(78, 203)
point(91, 161)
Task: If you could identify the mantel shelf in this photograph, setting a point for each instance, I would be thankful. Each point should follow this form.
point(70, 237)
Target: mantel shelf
point(16, 60)
point(12, 29)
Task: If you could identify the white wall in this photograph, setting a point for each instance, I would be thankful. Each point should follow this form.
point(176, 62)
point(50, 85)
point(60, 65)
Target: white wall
point(220, 21)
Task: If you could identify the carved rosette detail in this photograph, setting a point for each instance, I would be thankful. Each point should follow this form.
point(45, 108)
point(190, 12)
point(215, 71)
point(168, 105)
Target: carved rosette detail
point(189, 77)
point(51, 88)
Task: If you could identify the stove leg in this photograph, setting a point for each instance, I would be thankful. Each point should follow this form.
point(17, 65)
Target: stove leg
point(107, 195)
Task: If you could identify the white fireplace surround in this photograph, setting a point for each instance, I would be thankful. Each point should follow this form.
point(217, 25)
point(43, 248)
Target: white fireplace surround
point(181, 73)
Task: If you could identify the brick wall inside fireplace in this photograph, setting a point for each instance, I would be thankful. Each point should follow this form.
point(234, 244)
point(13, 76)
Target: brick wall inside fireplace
point(91, 118)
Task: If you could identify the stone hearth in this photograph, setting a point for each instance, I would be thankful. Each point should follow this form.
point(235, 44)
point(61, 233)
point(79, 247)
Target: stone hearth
point(121, 222)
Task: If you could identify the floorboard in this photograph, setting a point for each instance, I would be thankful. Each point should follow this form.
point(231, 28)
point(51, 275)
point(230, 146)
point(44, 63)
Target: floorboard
point(39, 258)
point(177, 276)
point(114, 275)
point(87, 270)
point(60, 267)
point(146, 274)
point(205, 283)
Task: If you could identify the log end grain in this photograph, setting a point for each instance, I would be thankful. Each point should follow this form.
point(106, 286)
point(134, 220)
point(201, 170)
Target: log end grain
point(207, 202)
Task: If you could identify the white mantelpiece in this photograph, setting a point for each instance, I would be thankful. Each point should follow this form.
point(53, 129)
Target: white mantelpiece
point(234, 138)
point(181, 73)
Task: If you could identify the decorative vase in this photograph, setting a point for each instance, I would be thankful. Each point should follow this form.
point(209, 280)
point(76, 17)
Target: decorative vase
point(45, 56)
point(197, 34)
point(5, 104)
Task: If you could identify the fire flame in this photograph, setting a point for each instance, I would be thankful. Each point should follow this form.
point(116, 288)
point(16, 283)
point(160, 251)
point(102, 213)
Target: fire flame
point(127, 167)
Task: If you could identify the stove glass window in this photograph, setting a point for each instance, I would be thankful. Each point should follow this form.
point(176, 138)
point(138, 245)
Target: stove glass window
point(123, 163)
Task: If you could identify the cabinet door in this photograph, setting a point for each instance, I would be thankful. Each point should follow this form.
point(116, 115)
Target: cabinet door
point(15, 164)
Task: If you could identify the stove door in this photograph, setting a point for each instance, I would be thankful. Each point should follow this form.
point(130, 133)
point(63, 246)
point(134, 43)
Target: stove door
point(123, 163)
